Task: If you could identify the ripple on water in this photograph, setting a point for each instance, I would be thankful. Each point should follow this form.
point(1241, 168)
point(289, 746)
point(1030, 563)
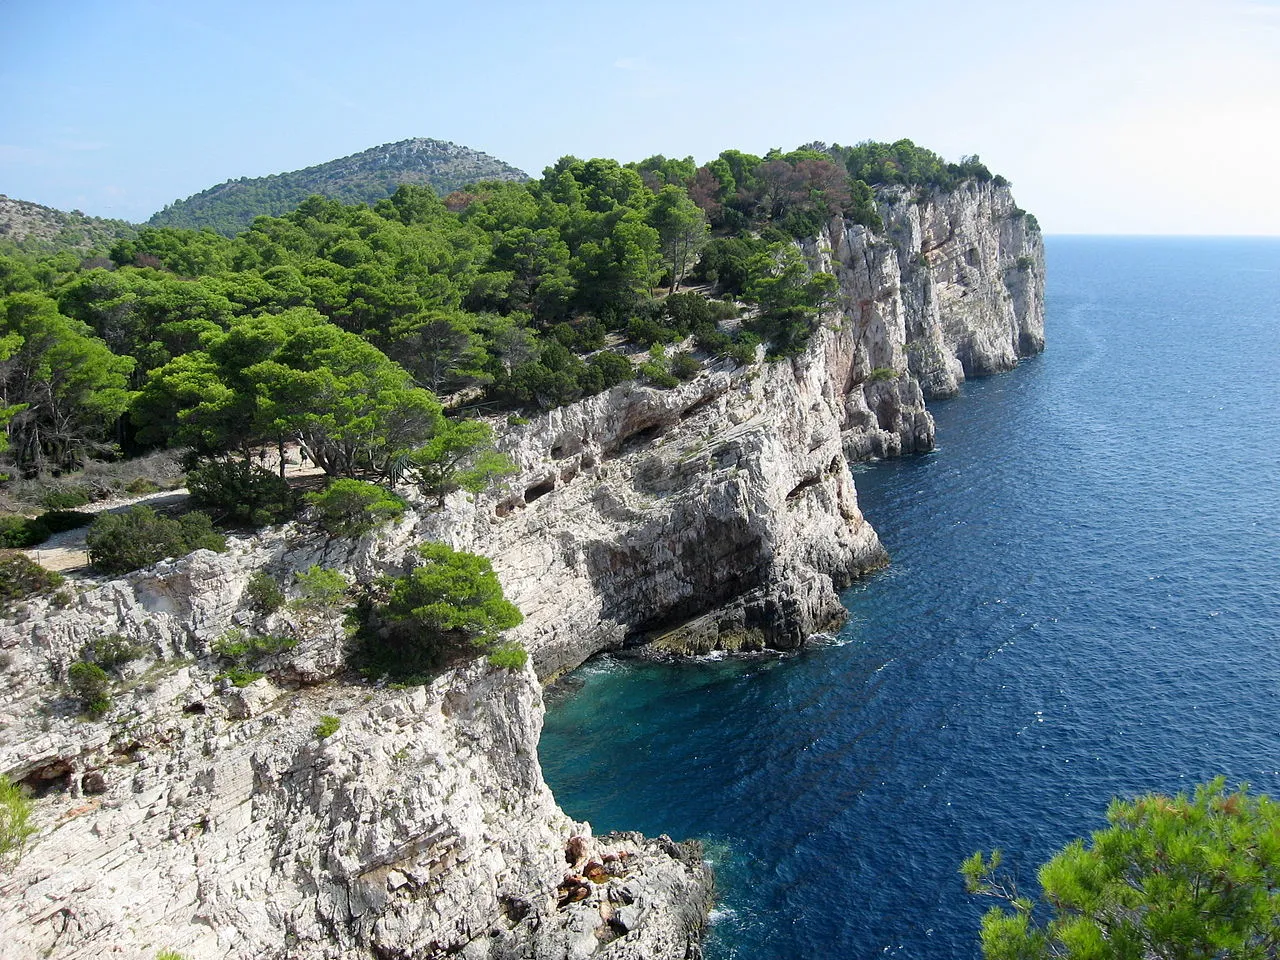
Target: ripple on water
point(1082, 603)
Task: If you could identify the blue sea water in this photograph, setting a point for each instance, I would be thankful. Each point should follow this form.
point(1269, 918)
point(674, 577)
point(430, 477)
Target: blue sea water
point(1084, 601)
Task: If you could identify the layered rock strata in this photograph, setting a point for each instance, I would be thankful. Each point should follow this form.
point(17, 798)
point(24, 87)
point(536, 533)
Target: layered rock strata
point(218, 821)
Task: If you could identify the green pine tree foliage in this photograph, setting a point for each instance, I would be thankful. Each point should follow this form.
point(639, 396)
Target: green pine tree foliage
point(1188, 877)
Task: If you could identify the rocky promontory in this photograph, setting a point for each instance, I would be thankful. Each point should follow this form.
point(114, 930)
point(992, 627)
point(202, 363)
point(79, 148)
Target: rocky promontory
point(313, 814)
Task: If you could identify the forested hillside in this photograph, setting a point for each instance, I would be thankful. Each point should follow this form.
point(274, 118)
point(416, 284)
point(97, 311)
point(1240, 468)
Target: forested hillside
point(33, 228)
point(339, 327)
point(365, 177)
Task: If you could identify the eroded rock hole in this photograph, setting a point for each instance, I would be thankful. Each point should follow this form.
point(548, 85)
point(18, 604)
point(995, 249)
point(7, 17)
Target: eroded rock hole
point(539, 490)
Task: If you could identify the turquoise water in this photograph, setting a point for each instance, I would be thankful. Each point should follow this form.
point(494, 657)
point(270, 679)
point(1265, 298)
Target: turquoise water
point(1083, 602)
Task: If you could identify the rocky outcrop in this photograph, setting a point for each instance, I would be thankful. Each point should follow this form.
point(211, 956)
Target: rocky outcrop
point(216, 821)
point(972, 268)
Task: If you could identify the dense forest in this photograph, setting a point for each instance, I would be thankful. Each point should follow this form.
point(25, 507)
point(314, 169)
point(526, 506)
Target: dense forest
point(340, 327)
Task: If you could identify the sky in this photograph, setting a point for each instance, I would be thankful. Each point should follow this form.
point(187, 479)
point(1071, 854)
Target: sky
point(1123, 116)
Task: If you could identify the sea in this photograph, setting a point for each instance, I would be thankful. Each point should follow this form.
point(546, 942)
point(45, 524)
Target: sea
point(1083, 602)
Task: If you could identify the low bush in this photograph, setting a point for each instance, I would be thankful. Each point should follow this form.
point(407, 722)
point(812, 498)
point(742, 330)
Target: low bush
point(613, 367)
point(113, 652)
point(327, 726)
point(685, 366)
point(139, 537)
point(880, 374)
point(22, 578)
point(91, 685)
point(352, 508)
point(57, 521)
point(656, 374)
point(240, 676)
point(244, 648)
point(648, 332)
point(66, 498)
point(509, 656)
point(141, 487)
point(17, 532)
point(240, 492)
point(320, 588)
point(743, 350)
point(263, 593)
point(15, 826)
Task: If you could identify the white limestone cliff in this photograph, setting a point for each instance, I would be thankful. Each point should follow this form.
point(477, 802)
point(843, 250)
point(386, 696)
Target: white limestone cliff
point(211, 820)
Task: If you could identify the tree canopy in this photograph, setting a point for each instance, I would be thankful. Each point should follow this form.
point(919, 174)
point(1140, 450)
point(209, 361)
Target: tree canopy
point(1184, 878)
point(342, 325)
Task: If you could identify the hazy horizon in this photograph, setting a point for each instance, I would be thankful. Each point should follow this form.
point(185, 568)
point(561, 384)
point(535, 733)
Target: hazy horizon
point(1128, 118)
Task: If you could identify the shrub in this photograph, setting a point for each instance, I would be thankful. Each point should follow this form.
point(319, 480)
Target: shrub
point(141, 486)
point(238, 491)
point(743, 351)
point(139, 537)
point(688, 310)
point(240, 676)
point(649, 332)
point(17, 531)
point(243, 648)
point(59, 520)
point(320, 588)
point(91, 684)
point(263, 593)
point(656, 374)
point(614, 368)
point(112, 652)
point(509, 656)
point(685, 366)
point(66, 497)
point(21, 577)
point(450, 604)
point(327, 726)
point(351, 508)
point(15, 826)
point(880, 374)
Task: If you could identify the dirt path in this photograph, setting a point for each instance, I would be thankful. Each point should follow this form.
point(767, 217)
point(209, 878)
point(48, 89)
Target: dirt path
point(65, 551)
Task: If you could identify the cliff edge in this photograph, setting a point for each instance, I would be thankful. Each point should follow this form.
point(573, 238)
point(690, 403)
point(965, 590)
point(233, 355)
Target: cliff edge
point(226, 821)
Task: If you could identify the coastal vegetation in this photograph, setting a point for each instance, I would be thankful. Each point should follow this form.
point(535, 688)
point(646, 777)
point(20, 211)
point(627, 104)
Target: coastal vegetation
point(15, 826)
point(372, 337)
point(338, 325)
point(1188, 876)
point(450, 604)
point(138, 537)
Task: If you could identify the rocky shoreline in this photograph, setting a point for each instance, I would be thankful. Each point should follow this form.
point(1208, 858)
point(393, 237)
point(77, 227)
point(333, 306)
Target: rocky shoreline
point(216, 821)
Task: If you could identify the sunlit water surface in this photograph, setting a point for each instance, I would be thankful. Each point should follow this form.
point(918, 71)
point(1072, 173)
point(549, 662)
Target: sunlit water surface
point(1082, 602)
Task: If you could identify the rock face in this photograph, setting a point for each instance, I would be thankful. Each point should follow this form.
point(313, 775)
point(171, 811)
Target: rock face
point(214, 820)
point(972, 268)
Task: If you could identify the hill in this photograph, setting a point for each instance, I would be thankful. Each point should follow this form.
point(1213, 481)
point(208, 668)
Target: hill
point(364, 177)
point(34, 228)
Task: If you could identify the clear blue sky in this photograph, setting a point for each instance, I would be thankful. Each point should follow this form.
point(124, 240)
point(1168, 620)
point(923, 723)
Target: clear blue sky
point(1109, 116)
